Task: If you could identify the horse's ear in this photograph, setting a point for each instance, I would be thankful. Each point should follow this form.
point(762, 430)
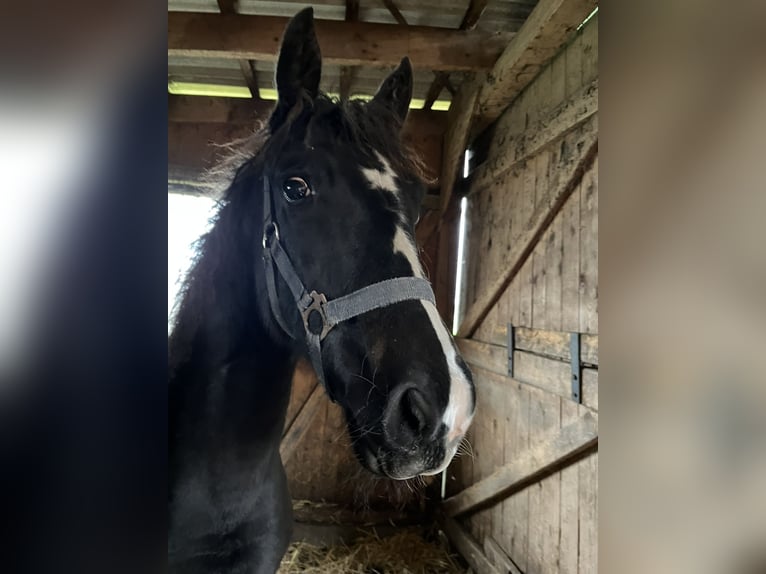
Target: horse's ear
point(396, 90)
point(299, 66)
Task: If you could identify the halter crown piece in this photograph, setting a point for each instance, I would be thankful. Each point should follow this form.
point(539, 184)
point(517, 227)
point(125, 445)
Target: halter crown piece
point(320, 315)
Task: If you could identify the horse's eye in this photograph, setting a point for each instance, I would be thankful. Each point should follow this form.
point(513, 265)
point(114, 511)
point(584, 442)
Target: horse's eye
point(295, 188)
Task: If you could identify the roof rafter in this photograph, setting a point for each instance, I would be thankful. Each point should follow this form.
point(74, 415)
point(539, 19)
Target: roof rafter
point(238, 36)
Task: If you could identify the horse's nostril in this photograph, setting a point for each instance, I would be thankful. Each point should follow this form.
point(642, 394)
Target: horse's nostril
point(410, 417)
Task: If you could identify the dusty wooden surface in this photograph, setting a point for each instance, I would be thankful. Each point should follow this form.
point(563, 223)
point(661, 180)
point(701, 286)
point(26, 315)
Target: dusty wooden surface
point(548, 523)
point(248, 37)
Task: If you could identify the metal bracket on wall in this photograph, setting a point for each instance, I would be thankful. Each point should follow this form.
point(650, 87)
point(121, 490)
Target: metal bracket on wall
point(574, 352)
point(511, 348)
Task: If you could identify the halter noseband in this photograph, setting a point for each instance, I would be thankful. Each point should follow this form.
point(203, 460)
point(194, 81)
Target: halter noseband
point(320, 315)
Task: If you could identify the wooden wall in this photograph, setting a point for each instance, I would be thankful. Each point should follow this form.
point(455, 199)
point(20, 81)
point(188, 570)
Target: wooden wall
point(532, 261)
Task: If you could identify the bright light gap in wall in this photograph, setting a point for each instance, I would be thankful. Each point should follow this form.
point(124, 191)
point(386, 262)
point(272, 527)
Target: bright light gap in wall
point(461, 249)
point(229, 91)
point(189, 216)
point(588, 18)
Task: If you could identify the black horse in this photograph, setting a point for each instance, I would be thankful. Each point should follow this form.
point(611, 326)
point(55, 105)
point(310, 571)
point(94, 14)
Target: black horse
point(326, 202)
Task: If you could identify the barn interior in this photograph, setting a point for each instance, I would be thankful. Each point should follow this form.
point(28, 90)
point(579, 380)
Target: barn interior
point(505, 118)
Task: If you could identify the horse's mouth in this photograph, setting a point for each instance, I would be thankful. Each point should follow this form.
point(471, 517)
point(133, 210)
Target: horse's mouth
point(386, 467)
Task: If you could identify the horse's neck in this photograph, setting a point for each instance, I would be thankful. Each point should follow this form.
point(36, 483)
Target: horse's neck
point(229, 380)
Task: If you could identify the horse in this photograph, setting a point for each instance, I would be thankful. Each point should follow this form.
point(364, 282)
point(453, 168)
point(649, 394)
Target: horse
point(311, 254)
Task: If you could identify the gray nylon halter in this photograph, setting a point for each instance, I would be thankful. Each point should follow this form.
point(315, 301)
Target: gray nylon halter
point(320, 315)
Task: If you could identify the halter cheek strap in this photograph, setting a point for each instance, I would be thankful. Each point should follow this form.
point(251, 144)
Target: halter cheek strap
point(320, 315)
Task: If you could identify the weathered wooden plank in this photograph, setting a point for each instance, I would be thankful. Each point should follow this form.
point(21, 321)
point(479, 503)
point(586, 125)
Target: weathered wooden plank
point(444, 282)
point(588, 507)
point(545, 417)
point(302, 423)
point(238, 36)
point(545, 32)
point(589, 251)
point(516, 147)
point(468, 548)
point(456, 137)
point(539, 268)
point(554, 449)
point(548, 374)
point(394, 10)
point(574, 65)
point(554, 266)
point(552, 344)
point(441, 79)
point(303, 383)
point(472, 14)
point(347, 72)
point(569, 526)
point(214, 109)
point(555, 344)
point(516, 531)
point(590, 388)
point(568, 177)
point(558, 79)
point(590, 50)
point(526, 209)
point(499, 558)
point(570, 275)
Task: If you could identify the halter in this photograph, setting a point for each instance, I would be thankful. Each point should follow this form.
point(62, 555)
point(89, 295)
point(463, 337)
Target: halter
point(320, 315)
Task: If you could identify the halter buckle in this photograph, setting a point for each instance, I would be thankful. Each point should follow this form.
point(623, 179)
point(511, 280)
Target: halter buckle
point(318, 301)
point(270, 232)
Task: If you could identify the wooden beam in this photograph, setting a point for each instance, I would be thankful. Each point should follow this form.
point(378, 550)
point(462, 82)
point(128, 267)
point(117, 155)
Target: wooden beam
point(347, 72)
point(557, 448)
point(553, 344)
point(239, 36)
point(459, 124)
point(246, 66)
point(472, 14)
point(569, 176)
point(499, 557)
point(395, 12)
point(543, 34)
point(441, 81)
point(468, 548)
point(547, 29)
point(551, 375)
point(294, 435)
point(542, 133)
point(436, 87)
point(210, 109)
point(227, 6)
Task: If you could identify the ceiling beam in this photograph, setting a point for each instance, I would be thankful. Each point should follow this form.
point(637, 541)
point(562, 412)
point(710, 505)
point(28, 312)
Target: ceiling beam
point(441, 81)
point(400, 19)
point(347, 72)
point(435, 89)
point(547, 29)
point(472, 14)
point(238, 36)
point(246, 66)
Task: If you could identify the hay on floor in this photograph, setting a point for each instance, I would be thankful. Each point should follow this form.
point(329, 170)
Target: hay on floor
point(405, 552)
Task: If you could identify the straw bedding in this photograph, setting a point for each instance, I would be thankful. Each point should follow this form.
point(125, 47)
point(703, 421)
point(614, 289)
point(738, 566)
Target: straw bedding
point(405, 552)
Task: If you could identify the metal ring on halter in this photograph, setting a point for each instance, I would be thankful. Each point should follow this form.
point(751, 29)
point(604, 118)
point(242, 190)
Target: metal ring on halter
point(270, 231)
point(318, 301)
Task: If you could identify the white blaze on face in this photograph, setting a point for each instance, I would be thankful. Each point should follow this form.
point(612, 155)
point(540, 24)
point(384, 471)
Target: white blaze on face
point(458, 415)
point(384, 179)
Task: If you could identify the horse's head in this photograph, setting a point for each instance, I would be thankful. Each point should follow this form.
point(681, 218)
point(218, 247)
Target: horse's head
point(346, 196)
